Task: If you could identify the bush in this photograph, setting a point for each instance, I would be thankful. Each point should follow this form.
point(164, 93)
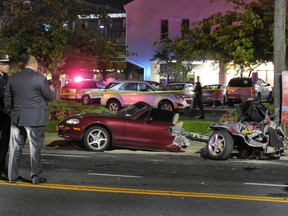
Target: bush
point(60, 109)
point(233, 115)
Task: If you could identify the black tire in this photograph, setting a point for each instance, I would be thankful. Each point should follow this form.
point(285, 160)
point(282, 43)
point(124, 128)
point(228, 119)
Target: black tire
point(85, 99)
point(96, 139)
point(220, 145)
point(166, 105)
point(259, 97)
point(114, 105)
point(230, 103)
point(270, 98)
point(224, 100)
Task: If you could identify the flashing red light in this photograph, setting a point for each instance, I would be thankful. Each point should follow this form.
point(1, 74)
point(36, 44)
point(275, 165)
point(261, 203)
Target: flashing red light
point(78, 79)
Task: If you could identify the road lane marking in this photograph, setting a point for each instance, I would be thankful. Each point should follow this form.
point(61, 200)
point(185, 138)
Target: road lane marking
point(148, 192)
point(268, 185)
point(115, 175)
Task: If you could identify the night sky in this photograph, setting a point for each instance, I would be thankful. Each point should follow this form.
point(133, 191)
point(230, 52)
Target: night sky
point(112, 3)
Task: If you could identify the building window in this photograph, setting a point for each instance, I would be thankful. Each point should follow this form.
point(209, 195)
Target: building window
point(185, 26)
point(164, 29)
point(185, 23)
point(206, 27)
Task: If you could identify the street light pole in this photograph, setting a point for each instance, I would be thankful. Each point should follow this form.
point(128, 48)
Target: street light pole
point(279, 51)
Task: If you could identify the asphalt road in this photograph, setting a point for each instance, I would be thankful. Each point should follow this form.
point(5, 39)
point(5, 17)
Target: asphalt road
point(124, 182)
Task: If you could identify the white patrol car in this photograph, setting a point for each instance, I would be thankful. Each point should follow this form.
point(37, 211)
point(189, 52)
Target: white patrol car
point(119, 94)
point(84, 91)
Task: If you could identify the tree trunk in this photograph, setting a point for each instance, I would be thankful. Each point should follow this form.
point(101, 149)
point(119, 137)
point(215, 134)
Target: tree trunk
point(222, 72)
point(56, 83)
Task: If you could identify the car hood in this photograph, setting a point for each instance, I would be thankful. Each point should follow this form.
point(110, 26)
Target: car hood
point(88, 115)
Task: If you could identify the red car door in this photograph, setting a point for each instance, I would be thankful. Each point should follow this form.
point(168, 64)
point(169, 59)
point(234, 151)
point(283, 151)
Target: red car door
point(150, 132)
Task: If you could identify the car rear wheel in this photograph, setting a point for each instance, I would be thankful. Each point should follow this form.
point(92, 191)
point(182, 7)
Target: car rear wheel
point(114, 105)
point(258, 98)
point(96, 139)
point(166, 105)
point(85, 99)
point(270, 97)
point(220, 145)
point(230, 103)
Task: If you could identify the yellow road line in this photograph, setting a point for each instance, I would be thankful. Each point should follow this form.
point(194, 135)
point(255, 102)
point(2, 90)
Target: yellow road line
point(148, 192)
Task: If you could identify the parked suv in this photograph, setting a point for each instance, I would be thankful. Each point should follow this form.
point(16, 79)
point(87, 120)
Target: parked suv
point(84, 91)
point(120, 94)
point(239, 89)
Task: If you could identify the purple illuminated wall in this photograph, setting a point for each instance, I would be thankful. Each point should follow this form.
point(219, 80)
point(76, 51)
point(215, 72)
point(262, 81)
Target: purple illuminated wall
point(143, 18)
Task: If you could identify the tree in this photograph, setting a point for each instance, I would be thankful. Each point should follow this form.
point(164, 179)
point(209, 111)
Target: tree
point(40, 28)
point(91, 51)
point(241, 38)
point(132, 69)
point(178, 54)
point(54, 31)
point(165, 56)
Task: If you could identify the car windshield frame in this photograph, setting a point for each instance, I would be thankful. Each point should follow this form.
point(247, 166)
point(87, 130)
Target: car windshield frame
point(179, 86)
point(213, 87)
point(111, 85)
point(240, 82)
point(132, 110)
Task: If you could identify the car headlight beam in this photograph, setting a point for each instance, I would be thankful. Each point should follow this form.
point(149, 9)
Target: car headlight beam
point(73, 121)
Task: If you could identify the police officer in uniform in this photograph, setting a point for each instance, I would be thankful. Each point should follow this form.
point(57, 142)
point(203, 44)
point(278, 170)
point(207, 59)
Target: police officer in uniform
point(5, 121)
point(198, 97)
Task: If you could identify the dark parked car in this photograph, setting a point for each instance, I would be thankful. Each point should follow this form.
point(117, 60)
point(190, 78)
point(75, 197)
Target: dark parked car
point(214, 94)
point(187, 88)
point(138, 126)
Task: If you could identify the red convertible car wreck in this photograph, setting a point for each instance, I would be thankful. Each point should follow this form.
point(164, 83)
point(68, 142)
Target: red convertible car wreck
point(137, 127)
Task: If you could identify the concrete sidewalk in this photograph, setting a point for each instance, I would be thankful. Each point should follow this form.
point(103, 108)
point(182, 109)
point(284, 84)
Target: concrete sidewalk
point(52, 141)
point(51, 137)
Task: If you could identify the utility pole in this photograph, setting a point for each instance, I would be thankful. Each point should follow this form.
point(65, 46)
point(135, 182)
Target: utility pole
point(279, 52)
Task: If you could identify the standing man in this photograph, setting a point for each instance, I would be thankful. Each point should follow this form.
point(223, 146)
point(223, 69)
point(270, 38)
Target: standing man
point(198, 97)
point(4, 117)
point(26, 98)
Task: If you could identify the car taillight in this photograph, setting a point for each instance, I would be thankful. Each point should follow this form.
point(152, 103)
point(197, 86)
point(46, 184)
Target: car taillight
point(64, 90)
point(252, 91)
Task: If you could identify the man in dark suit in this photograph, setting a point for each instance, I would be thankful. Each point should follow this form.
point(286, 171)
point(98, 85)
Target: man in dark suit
point(4, 117)
point(26, 98)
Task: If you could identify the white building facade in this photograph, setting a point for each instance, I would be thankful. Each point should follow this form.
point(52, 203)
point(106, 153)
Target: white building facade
point(144, 26)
